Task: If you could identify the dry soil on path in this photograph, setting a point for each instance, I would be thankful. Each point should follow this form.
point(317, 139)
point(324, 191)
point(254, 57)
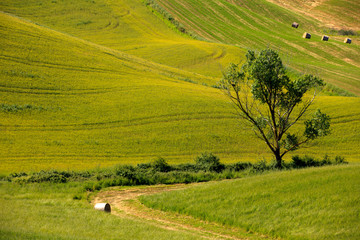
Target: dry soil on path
point(125, 203)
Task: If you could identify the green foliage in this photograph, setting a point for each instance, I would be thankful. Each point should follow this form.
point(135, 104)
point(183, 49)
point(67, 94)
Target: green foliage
point(290, 141)
point(307, 161)
point(14, 108)
point(271, 83)
point(318, 126)
point(207, 167)
point(160, 165)
point(341, 32)
point(277, 102)
point(166, 15)
point(208, 162)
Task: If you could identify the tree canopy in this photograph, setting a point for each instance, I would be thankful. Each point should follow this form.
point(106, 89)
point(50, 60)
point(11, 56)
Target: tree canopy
point(265, 96)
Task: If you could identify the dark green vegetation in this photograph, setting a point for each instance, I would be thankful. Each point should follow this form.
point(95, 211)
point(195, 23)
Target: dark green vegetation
point(316, 203)
point(207, 167)
point(276, 103)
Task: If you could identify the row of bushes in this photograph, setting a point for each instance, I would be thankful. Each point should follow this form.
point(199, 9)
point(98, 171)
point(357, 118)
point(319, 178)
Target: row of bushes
point(341, 32)
point(166, 15)
point(207, 167)
point(14, 108)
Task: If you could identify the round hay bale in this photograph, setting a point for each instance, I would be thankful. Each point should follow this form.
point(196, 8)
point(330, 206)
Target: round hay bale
point(103, 207)
point(295, 25)
point(347, 40)
point(325, 38)
point(306, 35)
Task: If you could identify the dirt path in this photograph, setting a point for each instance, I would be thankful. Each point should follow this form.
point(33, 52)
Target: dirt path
point(125, 203)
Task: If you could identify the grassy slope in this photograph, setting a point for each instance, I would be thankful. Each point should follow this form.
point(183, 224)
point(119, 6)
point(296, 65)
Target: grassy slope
point(127, 26)
point(92, 105)
point(128, 100)
point(258, 24)
point(318, 203)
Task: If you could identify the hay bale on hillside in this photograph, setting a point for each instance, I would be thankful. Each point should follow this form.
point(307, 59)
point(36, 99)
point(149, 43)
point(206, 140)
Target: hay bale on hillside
point(103, 207)
point(347, 40)
point(295, 25)
point(306, 35)
point(325, 38)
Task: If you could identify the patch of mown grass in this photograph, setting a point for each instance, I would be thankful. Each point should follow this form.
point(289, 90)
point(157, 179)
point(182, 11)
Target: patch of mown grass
point(316, 203)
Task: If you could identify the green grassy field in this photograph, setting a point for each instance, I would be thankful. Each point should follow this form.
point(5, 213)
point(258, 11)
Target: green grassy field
point(318, 203)
point(48, 211)
point(130, 27)
point(90, 84)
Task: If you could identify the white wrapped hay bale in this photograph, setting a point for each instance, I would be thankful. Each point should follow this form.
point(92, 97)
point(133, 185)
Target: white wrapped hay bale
point(103, 207)
point(325, 38)
point(295, 25)
point(306, 35)
point(347, 40)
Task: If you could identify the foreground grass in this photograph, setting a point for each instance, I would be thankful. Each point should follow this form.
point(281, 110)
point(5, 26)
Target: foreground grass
point(317, 203)
point(48, 211)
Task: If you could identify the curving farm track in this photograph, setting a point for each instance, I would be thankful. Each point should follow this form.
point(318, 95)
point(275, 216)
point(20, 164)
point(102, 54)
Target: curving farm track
point(125, 203)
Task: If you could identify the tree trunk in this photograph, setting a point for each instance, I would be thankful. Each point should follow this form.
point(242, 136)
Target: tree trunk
point(278, 159)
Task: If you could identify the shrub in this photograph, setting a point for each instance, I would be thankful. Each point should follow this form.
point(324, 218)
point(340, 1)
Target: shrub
point(207, 167)
point(259, 166)
point(240, 166)
point(340, 160)
point(306, 161)
point(347, 32)
point(209, 162)
point(160, 165)
point(298, 162)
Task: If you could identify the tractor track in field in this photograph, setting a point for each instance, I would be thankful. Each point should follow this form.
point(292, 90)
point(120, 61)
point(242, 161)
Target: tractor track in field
point(125, 203)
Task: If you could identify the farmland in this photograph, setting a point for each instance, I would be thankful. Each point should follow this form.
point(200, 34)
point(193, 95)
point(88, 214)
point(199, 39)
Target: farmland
point(87, 86)
point(95, 101)
point(259, 24)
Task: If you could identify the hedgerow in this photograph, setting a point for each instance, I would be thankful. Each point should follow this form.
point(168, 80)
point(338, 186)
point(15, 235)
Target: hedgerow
point(207, 167)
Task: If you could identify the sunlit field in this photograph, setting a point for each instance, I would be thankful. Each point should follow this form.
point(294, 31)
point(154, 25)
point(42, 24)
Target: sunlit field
point(259, 24)
point(70, 103)
point(89, 86)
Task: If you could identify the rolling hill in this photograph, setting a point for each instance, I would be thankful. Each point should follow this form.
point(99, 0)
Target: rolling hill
point(259, 24)
point(95, 83)
point(91, 83)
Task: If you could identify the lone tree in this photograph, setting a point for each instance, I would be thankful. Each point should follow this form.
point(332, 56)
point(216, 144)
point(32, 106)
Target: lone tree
point(264, 96)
